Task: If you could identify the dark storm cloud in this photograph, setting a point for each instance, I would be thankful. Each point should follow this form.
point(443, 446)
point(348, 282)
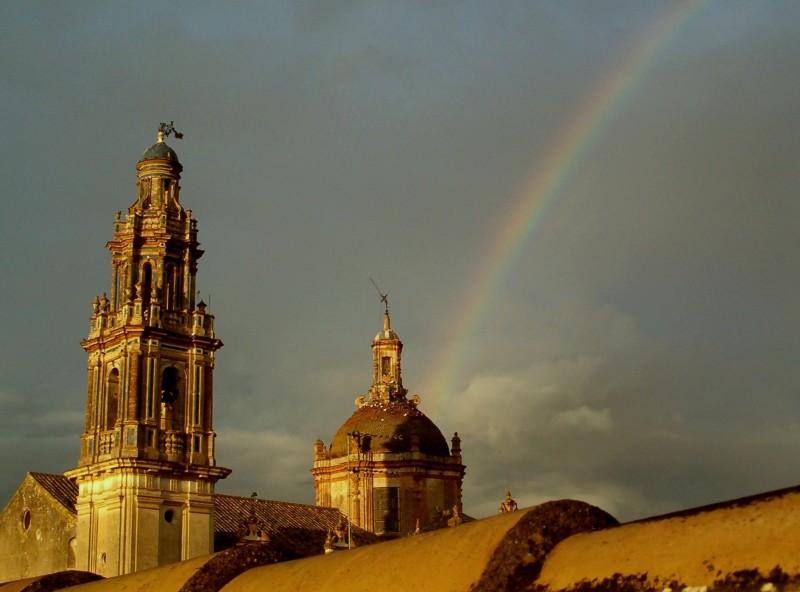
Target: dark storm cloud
point(642, 352)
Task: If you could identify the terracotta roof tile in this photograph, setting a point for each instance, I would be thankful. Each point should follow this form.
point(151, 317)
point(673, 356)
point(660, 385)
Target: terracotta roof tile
point(64, 490)
point(391, 427)
point(300, 529)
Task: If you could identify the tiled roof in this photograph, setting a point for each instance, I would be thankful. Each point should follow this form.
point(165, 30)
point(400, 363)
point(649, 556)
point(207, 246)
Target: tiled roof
point(159, 151)
point(392, 427)
point(298, 528)
point(64, 490)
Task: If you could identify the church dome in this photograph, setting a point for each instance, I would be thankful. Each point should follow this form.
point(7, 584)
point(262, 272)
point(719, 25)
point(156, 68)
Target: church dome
point(386, 334)
point(159, 151)
point(392, 427)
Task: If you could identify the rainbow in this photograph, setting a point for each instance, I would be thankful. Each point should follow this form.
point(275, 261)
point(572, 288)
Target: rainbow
point(548, 182)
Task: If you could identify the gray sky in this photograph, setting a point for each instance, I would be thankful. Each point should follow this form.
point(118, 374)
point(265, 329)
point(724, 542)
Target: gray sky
point(636, 347)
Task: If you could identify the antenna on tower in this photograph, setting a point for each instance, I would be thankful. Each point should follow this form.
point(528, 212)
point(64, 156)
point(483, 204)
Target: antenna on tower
point(384, 297)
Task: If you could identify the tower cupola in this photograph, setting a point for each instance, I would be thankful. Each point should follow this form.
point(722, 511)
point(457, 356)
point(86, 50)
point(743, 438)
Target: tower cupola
point(158, 179)
point(387, 381)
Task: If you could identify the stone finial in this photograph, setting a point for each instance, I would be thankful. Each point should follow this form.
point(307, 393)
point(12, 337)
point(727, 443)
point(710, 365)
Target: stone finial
point(253, 531)
point(328, 547)
point(508, 504)
point(319, 449)
point(456, 519)
point(339, 535)
point(455, 448)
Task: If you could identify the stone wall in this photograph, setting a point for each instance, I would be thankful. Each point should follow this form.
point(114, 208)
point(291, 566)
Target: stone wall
point(745, 544)
point(37, 534)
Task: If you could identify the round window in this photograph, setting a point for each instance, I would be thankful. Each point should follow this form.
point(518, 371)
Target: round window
point(26, 519)
point(168, 516)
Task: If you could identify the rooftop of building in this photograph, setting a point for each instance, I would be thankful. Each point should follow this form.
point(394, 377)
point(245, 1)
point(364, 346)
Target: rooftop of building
point(559, 546)
point(300, 530)
point(160, 150)
point(63, 490)
point(390, 427)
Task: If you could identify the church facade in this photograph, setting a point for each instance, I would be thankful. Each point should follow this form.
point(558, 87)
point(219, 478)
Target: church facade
point(389, 468)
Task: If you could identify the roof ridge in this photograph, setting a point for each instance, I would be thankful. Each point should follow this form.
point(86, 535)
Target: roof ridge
point(248, 497)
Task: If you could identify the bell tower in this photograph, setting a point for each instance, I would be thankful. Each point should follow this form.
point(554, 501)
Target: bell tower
point(146, 470)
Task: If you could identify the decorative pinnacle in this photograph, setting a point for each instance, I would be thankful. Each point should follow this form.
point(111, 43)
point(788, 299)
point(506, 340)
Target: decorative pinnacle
point(165, 129)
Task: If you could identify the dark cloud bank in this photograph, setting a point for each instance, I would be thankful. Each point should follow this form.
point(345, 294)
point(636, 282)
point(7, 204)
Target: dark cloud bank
point(642, 352)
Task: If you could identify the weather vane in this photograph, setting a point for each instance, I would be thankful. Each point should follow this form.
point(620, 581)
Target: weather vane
point(169, 128)
point(384, 297)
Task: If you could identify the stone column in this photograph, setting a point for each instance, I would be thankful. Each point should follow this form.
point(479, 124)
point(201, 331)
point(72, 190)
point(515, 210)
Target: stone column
point(133, 386)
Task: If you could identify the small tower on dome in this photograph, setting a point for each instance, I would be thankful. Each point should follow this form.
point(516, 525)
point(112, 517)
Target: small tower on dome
point(389, 468)
point(387, 380)
point(147, 470)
